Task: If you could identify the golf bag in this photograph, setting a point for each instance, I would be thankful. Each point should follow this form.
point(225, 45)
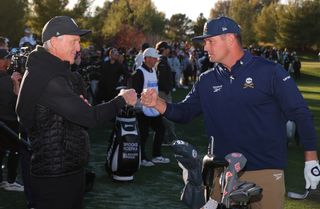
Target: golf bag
point(123, 154)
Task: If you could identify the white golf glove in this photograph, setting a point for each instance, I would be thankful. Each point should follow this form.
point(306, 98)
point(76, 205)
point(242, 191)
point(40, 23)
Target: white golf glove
point(312, 174)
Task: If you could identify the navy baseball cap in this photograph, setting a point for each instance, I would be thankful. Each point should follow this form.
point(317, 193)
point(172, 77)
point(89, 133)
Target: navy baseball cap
point(218, 26)
point(61, 25)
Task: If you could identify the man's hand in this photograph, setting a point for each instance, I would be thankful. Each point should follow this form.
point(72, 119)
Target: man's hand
point(16, 79)
point(312, 174)
point(85, 100)
point(129, 95)
point(149, 97)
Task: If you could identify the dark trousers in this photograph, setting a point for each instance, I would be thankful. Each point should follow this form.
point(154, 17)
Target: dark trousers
point(65, 192)
point(13, 146)
point(156, 124)
point(25, 158)
point(174, 84)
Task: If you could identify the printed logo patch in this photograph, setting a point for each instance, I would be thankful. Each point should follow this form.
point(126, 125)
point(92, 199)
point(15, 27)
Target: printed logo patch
point(216, 88)
point(286, 78)
point(248, 83)
point(194, 153)
point(277, 176)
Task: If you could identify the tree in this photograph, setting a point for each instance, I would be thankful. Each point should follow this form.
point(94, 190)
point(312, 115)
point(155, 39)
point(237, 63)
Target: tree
point(299, 24)
point(44, 10)
point(79, 9)
point(139, 15)
point(96, 22)
point(12, 16)
point(266, 24)
point(178, 27)
point(242, 11)
point(198, 25)
point(221, 8)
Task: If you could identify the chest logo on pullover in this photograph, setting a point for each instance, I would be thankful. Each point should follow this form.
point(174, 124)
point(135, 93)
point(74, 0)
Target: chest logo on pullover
point(216, 88)
point(248, 83)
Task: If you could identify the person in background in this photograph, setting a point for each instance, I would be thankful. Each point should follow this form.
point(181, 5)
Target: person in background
point(112, 72)
point(9, 87)
point(27, 39)
point(296, 66)
point(56, 117)
point(4, 43)
point(165, 83)
point(139, 58)
point(175, 68)
point(143, 78)
point(246, 102)
point(185, 69)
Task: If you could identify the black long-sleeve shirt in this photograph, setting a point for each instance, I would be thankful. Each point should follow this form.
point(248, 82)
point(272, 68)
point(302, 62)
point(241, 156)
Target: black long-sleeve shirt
point(165, 78)
point(48, 81)
point(7, 98)
point(59, 97)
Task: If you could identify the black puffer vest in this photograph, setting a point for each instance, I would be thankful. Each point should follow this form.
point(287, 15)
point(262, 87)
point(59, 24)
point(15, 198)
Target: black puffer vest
point(60, 147)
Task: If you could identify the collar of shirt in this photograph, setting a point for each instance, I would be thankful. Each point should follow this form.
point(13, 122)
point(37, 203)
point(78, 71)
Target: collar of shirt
point(146, 67)
point(236, 68)
point(242, 61)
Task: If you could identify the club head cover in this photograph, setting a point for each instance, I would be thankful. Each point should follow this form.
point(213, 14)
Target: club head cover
point(187, 157)
point(193, 196)
point(237, 162)
point(186, 154)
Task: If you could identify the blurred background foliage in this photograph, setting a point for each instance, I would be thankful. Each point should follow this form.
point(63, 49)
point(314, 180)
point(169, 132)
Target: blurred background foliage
point(128, 23)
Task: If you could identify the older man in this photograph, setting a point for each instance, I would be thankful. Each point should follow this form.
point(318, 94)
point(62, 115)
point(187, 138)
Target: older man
point(56, 117)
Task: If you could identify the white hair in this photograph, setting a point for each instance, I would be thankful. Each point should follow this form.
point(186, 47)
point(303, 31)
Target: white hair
point(47, 44)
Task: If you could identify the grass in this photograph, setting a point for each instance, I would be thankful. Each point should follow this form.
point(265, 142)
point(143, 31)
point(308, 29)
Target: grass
point(309, 85)
point(160, 186)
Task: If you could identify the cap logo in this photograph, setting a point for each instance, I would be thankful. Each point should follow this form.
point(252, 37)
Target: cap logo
point(224, 28)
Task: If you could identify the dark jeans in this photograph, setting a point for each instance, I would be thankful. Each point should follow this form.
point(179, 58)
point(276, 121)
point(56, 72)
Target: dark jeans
point(156, 124)
point(65, 192)
point(13, 146)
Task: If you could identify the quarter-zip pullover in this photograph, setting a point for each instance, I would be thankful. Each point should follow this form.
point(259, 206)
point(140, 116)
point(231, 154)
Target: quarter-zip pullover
point(246, 110)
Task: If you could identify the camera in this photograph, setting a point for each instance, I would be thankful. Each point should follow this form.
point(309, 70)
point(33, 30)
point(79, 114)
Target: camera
point(19, 58)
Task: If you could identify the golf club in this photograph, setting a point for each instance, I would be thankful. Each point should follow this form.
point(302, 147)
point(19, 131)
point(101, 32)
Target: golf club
point(299, 196)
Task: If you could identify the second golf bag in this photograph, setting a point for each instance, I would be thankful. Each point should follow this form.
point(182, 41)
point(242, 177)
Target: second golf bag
point(123, 154)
